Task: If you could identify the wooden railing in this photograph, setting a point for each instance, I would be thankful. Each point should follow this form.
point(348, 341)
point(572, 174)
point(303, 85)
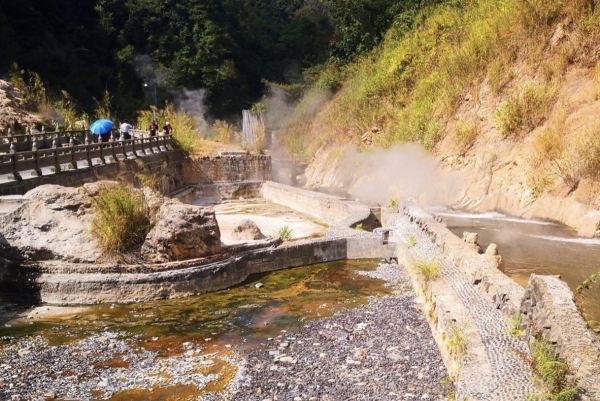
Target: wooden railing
point(68, 150)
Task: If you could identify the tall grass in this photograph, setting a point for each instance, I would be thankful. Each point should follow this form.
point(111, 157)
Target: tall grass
point(553, 372)
point(413, 82)
point(525, 109)
point(122, 219)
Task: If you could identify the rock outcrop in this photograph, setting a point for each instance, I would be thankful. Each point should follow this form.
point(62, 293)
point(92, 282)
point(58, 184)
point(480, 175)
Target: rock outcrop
point(247, 230)
point(182, 232)
point(53, 223)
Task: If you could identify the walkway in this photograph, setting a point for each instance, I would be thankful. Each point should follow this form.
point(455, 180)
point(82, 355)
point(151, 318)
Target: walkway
point(511, 377)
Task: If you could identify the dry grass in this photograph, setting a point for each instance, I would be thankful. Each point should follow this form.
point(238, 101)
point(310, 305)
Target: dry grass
point(411, 85)
point(466, 134)
point(122, 219)
point(525, 109)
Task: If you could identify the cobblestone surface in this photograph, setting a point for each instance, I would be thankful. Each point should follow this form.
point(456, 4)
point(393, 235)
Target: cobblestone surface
point(382, 352)
point(511, 376)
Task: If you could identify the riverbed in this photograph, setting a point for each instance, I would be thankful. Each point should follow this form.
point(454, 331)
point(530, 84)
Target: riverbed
point(186, 349)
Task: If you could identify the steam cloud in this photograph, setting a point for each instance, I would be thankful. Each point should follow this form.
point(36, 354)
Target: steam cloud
point(405, 172)
point(192, 101)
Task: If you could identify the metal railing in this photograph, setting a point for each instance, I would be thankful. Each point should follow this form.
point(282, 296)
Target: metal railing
point(72, 150)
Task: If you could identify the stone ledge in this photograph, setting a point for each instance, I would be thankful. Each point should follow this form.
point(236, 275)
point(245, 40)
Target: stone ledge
point(331, 209)
point(549, 310)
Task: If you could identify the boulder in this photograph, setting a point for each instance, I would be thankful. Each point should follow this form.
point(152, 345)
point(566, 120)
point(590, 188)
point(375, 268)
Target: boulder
point(182, 232)
point(472, 240)
point(53, 222)
point(247, 230)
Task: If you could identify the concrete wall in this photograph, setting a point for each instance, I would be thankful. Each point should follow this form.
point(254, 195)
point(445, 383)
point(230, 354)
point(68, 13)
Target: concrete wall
point(164, 163)
point(236, 167)
point(89, 288)
point(328, 208)
point(549, 310)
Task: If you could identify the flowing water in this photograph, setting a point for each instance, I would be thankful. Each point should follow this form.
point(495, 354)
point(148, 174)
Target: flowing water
point(541, 247)
point(227, 321)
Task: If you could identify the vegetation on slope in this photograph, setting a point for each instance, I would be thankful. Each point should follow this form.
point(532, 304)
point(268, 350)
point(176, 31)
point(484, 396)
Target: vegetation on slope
point(410, 85)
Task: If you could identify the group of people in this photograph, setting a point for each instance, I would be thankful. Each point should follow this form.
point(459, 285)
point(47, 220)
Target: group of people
point(125, 128)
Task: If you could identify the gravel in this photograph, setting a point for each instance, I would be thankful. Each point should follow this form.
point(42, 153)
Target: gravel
point(383, 351)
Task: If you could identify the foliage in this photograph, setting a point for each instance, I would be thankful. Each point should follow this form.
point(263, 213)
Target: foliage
point(588, 149)
point(285, 233)
point(515, 325)
point(466, 133)
point(429, 270)
point(457, 342)
point(31, 85)
point(411, 241)
point(524, 110)
point(588, 283)
point(553, 372)
point(122, 219)
point(224, 132)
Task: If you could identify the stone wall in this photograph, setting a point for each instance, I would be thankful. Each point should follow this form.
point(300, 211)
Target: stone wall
point(482, 270)
point(167, 164)
point(328, 208)
point(234, 167)
point(181, 279)
point(549, 310)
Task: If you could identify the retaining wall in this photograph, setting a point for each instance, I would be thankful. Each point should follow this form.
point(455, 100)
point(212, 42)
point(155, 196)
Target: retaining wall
point(549, 310)
point(547, 304)
point(234, 167)
point(328, 208)
point(88, 288)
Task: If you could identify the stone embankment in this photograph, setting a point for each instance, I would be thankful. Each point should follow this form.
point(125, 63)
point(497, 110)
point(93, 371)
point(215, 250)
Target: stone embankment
point(381, 352)
point(473, 296)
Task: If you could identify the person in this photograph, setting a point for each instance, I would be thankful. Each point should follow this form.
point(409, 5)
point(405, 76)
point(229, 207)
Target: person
point(124, 131)
point(153, 128)
point(167, 129)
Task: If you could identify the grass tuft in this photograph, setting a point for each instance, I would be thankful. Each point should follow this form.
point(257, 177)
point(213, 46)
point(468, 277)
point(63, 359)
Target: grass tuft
point(553, 372)
point(411, 241)
point(515, 325)
point(122, 219)
point(428, 270)
point(285, 234)
point(525, 109)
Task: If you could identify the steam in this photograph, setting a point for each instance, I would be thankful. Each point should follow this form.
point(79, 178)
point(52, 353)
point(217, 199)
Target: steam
point(191, 101)
point(405, 172)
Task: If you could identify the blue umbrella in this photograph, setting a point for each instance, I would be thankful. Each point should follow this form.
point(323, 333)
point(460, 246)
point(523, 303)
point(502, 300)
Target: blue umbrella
point(100, 127)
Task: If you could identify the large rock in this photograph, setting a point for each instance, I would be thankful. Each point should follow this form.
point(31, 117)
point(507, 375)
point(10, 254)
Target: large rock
point(182, 232)
point(54, 222)
point(247, 230)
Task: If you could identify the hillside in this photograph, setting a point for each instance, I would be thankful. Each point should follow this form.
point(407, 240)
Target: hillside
point(505, 94)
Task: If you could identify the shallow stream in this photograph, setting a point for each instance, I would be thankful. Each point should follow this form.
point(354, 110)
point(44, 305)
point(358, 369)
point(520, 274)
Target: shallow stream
point(531, 246)
point(225, 323)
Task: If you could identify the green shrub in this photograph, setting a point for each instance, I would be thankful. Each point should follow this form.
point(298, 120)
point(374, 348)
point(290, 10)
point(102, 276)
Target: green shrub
point(122, 219)
point(285, 233)
point(525, 109)
point(553, 372)
point(428, 270)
